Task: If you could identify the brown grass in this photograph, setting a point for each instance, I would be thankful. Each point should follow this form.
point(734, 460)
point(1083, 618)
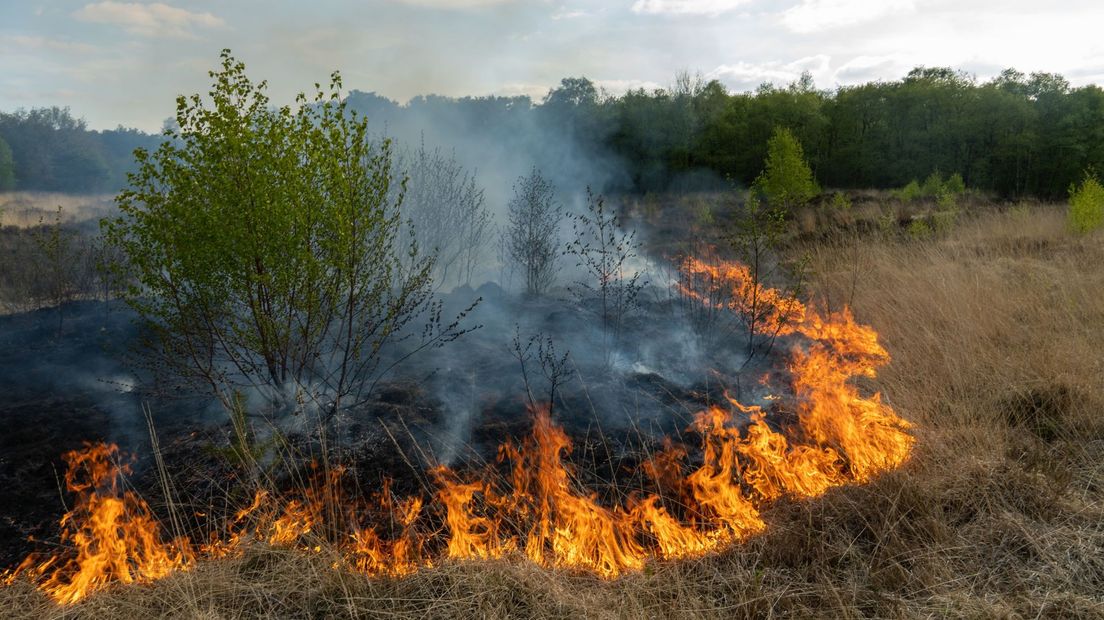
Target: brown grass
point(996, 330)
point(26, 209)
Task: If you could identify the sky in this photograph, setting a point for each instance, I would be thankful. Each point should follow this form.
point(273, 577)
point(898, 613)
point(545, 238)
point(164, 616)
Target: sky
point(123, 62)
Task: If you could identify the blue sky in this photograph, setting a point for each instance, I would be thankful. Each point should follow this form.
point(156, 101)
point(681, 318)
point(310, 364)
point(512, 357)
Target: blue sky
point(123, 62)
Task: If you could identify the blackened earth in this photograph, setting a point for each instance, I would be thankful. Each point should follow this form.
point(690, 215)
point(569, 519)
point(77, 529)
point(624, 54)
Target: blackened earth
point(75, 374)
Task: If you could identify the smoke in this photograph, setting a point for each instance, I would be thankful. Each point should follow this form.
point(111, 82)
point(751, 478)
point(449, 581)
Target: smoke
point(652, 371)
point(651, 365)
point(499, 139)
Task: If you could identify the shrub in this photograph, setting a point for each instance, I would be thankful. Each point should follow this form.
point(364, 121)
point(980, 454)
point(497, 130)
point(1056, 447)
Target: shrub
point(943, 221)
point(447, 210)
point(530, 240)
point(910, 192)
point(840, 202)
point(946, 196)
point(786, 180)
point(919, 230)
point(1086, 210)
point(955, 185)
point(703, 214)
point(933, 185)
point(947, 202)
point(265, 248)
point(605, 252)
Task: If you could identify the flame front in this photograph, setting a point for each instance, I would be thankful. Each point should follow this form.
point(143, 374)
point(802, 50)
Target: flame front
point(538, 509)
point(111, 534)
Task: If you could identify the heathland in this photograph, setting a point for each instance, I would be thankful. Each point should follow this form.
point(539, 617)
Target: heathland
point(294, 369)
point(993, 326)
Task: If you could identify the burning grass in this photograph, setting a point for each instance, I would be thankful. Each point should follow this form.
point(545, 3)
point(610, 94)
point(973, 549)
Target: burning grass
point(995, 332)
point(701, 502)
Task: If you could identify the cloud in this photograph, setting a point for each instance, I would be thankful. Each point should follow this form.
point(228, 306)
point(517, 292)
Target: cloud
point(818, 15)
point(686, 7)
point(536, 92)
point(620, 87)
point(564, 13)
point(25, 43)
point(744, 76)
point(871, 68)
point(453, 4)
point(148, 20)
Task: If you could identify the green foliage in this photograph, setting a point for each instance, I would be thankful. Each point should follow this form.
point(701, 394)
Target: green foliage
point(933, 185)
point(955, 185)
point(945, 192)
point(910, 192)
point(840, 202)
point(53, 151)
point(786, 180)
point(1037, 132)
point(919, 230)
point(946, 201)
point(943, 221)
point(262, 244)
point(703, 214)
point(1015, 135)
point(1086, 210)
point(7, 167)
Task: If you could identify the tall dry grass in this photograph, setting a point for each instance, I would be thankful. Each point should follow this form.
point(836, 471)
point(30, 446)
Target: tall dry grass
point(26, 209)
point(996, 331)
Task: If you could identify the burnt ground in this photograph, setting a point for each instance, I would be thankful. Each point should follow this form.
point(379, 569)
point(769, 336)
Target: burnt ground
point(71, 379)
point(63, 381)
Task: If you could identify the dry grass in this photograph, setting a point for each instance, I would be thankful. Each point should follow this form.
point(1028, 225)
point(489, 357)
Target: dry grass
point(26, 209)
point(996, 331)
point(50, 249)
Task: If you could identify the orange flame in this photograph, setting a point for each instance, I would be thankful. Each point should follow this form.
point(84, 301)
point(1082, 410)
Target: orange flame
point(113, 535)
point(539, 509)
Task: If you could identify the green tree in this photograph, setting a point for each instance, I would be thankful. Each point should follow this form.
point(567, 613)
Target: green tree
point(1086, 210)
point(954, 185)
point(53, 151)
point(786, 180)
point(933, 185)
point(264, 247)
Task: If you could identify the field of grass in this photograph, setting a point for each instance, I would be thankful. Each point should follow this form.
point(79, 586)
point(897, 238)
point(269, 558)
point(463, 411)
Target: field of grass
point(995, 328)
point(25, 209)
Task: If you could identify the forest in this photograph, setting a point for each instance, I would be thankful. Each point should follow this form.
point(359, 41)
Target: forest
point(1015, 135)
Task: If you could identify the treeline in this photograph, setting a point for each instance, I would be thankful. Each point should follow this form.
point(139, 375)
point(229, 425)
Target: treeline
point(47, 149)
point(1014, 135)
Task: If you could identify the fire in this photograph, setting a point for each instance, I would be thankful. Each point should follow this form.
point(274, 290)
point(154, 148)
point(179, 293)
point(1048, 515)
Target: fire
point(530, 503)
point(730, 285)
point(112, 535)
